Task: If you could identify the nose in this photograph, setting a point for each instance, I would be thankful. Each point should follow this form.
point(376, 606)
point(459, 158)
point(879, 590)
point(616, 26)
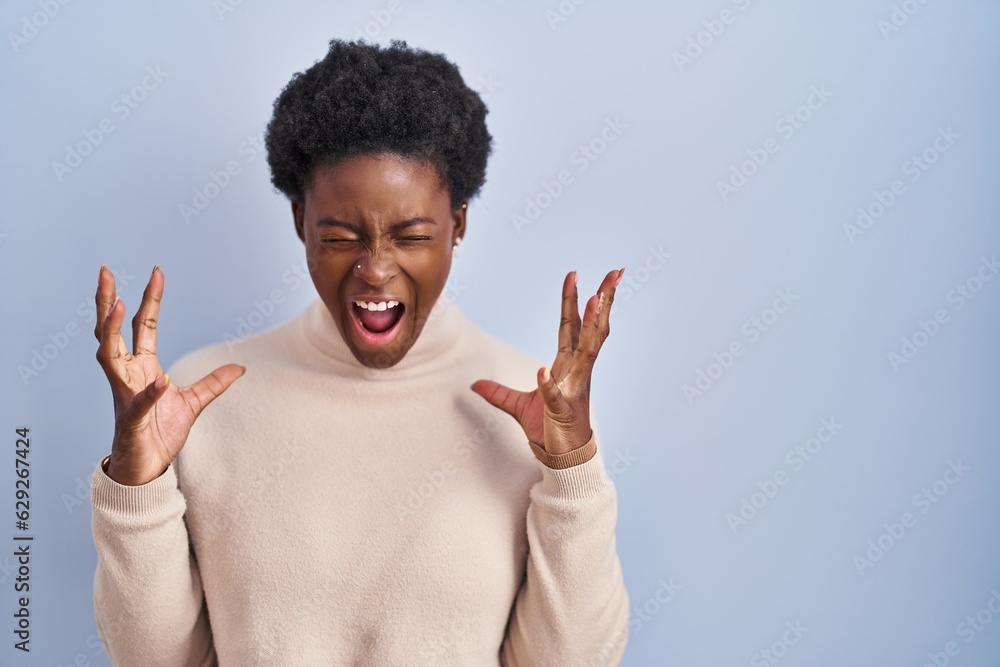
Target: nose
point(376, 267)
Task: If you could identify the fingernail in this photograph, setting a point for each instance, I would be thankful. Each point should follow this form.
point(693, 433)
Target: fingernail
point(100, 272)
point(576, 278)
point(621, 273)
point(600, 302)
point(161, 381)
point(155, 266)
point(546, 374)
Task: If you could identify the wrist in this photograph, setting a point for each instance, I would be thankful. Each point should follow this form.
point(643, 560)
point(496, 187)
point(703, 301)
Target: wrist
point(560, 443)
point(565, 459)
point(123, 476)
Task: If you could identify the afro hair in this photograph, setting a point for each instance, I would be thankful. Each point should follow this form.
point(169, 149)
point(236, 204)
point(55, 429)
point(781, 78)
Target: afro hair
point(364, 99)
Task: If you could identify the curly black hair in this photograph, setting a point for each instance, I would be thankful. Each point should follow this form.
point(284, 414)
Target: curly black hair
point(363, 99)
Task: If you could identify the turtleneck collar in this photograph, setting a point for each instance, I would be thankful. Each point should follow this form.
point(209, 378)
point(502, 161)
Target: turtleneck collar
point(436, 345)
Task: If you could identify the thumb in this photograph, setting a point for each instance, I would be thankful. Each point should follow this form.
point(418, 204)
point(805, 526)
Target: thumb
point(498, 395)
point(212, 385)
point(144, 401)
point(551, 394)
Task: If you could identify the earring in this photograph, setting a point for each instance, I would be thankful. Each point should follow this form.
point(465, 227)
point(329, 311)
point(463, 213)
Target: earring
point(454, 248)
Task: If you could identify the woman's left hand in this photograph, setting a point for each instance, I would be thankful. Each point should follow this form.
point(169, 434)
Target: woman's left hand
point(556, 415)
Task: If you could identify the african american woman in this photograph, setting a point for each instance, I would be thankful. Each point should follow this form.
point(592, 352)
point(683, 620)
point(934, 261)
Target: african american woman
point(376, 481)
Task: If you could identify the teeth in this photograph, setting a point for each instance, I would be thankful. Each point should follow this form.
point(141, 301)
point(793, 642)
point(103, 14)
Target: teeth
point(377, 305)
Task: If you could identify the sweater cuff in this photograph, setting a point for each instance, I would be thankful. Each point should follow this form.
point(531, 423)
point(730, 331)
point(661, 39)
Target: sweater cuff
point(575, 475)
point(147, 499)
point(574, 457)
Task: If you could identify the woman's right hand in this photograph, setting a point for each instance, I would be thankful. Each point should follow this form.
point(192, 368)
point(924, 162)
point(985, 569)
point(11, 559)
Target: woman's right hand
point(152, 416)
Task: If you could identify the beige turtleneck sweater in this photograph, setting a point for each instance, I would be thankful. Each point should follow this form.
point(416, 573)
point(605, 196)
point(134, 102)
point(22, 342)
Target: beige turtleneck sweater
point(323, 513)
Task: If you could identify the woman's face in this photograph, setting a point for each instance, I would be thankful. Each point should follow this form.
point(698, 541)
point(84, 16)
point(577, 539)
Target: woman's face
point(378, 229)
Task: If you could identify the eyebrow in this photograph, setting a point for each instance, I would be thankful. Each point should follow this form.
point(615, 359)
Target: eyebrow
point(331, 222)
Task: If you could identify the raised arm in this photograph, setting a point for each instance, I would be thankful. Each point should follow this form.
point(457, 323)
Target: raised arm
point(148, 599)
point(572, 608)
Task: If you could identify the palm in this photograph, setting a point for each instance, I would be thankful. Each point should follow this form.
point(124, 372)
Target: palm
point(163, 430)
point(152, 417)
point(527, 407)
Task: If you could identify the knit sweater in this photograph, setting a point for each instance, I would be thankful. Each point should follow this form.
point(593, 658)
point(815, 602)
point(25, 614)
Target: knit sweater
point(325, 513)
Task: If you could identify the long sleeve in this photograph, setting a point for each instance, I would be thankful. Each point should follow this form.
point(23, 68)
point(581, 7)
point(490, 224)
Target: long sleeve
point(148, 599)
point(572, 608)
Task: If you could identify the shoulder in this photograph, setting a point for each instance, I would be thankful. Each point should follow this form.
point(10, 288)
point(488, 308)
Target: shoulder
point(264, 346)
point(500, 358)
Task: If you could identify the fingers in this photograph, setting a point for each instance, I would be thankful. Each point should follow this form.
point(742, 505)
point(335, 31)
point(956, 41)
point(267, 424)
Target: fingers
point(569, 327)
point(111, 351)
point(144, 322)
point(499, 396)
point(144, 401)
point(105, 296)
point(596, 324)
point(210, 387)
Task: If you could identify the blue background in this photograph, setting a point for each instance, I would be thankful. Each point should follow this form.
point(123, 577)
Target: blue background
point(701, 260)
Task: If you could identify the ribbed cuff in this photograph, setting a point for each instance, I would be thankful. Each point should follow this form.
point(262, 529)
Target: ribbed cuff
point(143, 500)
point(574, 457)
point(576, 483)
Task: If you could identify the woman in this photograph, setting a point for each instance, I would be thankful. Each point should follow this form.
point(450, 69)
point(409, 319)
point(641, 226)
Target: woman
point(349, 500)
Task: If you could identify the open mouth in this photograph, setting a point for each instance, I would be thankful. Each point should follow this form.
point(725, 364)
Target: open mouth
point(377, 324)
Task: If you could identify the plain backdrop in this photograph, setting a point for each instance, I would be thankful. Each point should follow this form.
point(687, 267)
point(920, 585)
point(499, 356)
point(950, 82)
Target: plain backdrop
point(799, 396)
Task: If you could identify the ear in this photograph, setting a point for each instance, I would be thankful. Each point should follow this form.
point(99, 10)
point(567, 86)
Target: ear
point(298, 215)
point(458, 220)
